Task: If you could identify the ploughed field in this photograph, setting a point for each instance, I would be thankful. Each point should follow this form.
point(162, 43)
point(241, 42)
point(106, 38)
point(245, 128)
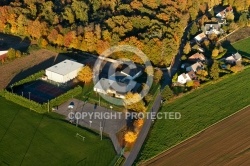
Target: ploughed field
point(226, 143)
point(199, 110)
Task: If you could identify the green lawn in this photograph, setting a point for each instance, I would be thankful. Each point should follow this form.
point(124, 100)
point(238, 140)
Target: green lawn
point(243, 46)
point(28, 138)
point(199, 109)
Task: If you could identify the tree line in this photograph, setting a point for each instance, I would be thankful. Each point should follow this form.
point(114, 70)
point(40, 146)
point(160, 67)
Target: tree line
point(154, 26)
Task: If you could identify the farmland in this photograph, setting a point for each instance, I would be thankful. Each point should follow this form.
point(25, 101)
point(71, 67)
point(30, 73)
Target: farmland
point(27, 138)
point(226, 143)
point(242, 46)
point(199, 109)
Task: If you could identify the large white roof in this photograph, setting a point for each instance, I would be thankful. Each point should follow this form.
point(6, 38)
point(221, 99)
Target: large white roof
point(3, 52)
point(65, 67)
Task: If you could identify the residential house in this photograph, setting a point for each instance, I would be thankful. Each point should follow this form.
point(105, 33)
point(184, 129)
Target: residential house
point(221, 21)
point(183, 78)
point(192, 75)
point(223, 13)
point(114, 88)
point(186, 77)
point(197, 57)
point(212, 27)
point(3, 54)
point(233, 59)
point(200, 37)
point(195, 67)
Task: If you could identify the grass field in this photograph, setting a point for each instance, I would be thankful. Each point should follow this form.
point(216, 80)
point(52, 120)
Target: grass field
point(243, 46)
point(199, 109)
point(28, 138)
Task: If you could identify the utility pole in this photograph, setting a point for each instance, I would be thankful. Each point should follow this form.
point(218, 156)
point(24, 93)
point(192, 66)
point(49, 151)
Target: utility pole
point(48, 106)
point(99, 100)
point(29, 95)
point(101, 129)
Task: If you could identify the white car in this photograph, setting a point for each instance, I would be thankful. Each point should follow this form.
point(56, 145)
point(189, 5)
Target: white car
point(71, 105)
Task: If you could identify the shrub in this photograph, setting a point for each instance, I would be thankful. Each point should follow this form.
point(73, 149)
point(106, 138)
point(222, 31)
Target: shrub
point(66, 96)
point(39, 108)
point(32, 77)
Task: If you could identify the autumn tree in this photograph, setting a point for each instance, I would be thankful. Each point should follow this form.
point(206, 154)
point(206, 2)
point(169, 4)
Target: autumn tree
point(187, 48)
point(11, 54)
point(138, 123)
point(237, 68)
point(215, 53)
point(130, 137)
point(80, 9)
point(85, 75)
point(214, 71)
point(133, 102)
point(158, 75)
point(190, 84)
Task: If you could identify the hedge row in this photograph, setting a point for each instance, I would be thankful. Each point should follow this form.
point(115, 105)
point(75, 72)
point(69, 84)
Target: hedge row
point(66, 96)
point(30, 78)
point(39, 108)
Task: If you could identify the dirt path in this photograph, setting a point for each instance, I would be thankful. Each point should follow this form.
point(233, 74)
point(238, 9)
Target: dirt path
point(226, 143)
point(25, 66)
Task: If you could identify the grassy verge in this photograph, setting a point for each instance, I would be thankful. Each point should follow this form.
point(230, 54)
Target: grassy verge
point(27, 138)
point(199, 109)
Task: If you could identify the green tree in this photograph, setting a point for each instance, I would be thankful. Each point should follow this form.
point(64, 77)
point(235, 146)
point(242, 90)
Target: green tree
point(167, 93)
point(81, 10)
point(193, 29)
point(133, 102)
point(187, 48)
point(68, 15)
point(158, 75)
point(11, 54)
point(243, 20)
point(214, 71)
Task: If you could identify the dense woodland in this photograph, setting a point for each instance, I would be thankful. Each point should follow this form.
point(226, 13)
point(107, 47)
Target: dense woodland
point(154, 26)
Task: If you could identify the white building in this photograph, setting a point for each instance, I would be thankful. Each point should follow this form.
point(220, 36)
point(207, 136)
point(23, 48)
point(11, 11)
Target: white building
point(183, 78)
point(63, 71)
point(113, 88)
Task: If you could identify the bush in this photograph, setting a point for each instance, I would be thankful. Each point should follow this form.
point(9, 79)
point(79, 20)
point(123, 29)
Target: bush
point(39, 108)
point(66, 96)
point(32, 77)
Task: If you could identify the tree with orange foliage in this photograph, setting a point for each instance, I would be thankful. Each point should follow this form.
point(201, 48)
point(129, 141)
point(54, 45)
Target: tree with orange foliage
point(138, 123)
point(130, 137)
point(85, 75)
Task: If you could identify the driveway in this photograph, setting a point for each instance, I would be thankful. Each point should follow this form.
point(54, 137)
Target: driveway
point(109, 126)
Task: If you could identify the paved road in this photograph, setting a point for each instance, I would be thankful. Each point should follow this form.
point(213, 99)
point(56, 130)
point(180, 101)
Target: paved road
point(143, 134)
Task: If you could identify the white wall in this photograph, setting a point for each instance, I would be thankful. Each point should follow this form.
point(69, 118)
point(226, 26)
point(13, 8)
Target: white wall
point(54, 76)
point(60, 78)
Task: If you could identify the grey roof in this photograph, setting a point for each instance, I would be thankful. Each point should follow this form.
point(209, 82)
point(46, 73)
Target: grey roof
point(211, 26)
point(184, 75)
point(237, 56)
point(65, 67)
point(119, 87)
point(130, 69)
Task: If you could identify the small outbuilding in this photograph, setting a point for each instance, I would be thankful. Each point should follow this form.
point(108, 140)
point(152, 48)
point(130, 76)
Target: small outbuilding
point(63, 71)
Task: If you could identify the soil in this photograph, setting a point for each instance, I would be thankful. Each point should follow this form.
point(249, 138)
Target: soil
point(25, 66)
point(238, 35)
point(226, 143)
